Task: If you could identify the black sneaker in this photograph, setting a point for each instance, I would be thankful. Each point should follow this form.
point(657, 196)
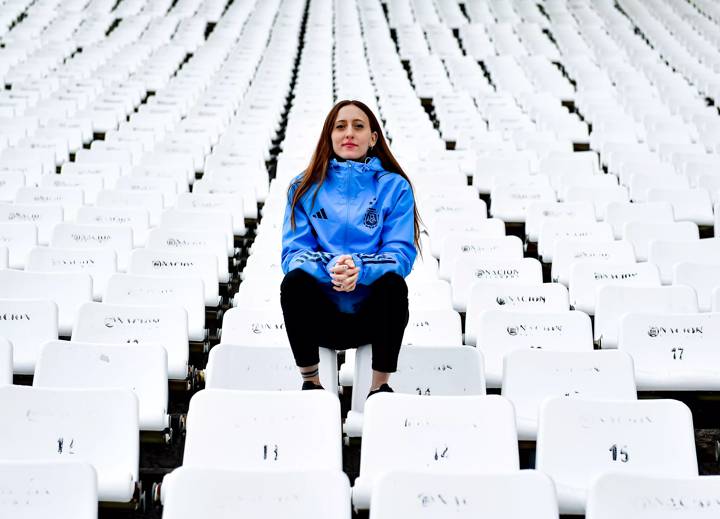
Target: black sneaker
point(382, 389)
point(309, 384)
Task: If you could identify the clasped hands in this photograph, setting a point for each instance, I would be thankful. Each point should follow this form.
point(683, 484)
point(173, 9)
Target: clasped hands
point(344, 274)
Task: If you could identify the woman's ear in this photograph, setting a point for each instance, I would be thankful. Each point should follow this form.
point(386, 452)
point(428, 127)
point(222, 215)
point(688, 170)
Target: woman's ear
point(373, 138)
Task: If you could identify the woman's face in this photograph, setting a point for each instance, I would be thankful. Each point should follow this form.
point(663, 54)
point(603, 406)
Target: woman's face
point(351, 135)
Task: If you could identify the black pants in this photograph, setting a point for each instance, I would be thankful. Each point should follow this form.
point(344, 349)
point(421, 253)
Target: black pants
point(313, 320)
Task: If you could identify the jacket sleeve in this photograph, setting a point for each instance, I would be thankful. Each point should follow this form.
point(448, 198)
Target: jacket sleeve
point(397, 248)
point(300, 246)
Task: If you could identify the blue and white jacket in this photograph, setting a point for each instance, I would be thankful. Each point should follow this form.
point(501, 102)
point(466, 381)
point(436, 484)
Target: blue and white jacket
point(361, 210)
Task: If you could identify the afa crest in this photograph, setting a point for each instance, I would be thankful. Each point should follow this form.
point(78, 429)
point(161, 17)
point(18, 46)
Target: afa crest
point(371, 218)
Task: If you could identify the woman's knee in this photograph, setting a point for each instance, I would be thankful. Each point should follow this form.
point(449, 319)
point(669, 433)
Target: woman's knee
point(294, 281)
point(392, 285)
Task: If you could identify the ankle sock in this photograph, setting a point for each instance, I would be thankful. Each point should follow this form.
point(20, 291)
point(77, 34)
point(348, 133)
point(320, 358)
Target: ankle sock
point(309, 384)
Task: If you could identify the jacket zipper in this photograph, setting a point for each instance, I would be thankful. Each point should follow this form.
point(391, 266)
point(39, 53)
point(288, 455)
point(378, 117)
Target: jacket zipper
point(347, 209)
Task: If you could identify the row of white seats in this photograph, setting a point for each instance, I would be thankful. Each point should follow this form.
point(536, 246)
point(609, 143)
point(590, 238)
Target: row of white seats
point(670, 352)
point(327, 495)
point(69, 290)
point(411, 433)
point(578, 440)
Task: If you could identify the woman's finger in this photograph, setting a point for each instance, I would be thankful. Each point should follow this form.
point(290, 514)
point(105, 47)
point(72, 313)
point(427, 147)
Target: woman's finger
point(343, 259)
point(339, 268)
point(340, 277)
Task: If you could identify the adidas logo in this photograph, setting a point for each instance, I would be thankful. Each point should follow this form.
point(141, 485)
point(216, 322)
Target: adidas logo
point(321, 215)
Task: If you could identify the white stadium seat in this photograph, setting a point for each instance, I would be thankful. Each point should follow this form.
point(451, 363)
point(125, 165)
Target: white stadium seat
point(195, 491)
point(200, 221)
point(531, 376)
point(99, 263)
point(175, 264)
point(436, 434)
point(539, 212)
point(68, 290)
point(641, 234)
point(470, 271)
point(406, 494)
point(704, 278)
point(455, 246)
point(601, 197)
point(45, 217)
point(422, 370)
point(254, 327)
point(580, 440)
point(544, 298)
point(433, 328)
point(263, 368)
point(270, 421)
point(84, 236)
point(143, 369)
point(612, 302)
point(60, 489)
point(137, 218)
point(129, 289)
point(27, 325)
point(152, 201)
point(620, 213)
point(231, 203)
point(672, 351)
point(179, 240)
point(666, 254)
point(500, 333)
point(129, 324)
point(69, 198)
point(587, 277)
point(97, 426)
point(262, 290)
point(694, 205)
point(641, 496)
point(447, 225)
point(429, 295)
point(556, 230)
point(19, 238)
point(568, 252)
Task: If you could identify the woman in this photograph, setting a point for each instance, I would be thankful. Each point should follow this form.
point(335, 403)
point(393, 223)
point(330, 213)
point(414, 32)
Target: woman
point(350, 237)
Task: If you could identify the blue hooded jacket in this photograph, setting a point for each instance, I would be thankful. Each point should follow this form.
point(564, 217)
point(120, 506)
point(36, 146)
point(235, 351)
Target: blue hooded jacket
point(361, 210)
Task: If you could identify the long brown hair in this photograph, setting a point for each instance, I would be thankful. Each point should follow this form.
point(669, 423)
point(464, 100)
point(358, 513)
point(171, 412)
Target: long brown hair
point(316, 171)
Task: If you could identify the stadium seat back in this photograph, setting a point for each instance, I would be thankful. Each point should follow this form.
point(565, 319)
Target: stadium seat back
point(579, 440)
point(140, 368)
point(97, 426)
point(130, 324)
point(531, 376)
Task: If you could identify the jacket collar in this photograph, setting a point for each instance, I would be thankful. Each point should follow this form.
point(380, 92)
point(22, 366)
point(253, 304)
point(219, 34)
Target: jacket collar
point(371, 164)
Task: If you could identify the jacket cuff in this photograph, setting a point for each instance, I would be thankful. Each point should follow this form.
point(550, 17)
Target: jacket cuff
point(331, 264)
